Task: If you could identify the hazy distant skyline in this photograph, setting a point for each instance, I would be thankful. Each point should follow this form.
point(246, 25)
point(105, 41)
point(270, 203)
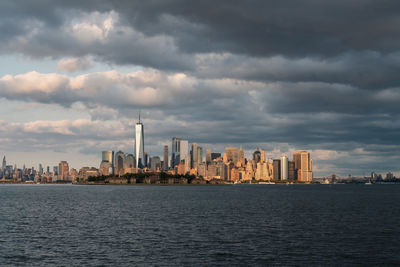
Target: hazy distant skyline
point(281, 76)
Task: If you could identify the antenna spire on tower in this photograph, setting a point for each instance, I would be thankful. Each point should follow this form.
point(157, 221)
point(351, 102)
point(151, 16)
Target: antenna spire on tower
point(139, 115)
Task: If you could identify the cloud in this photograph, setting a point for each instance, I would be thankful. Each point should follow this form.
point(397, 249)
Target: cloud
point(74, 64)
point(322, 77)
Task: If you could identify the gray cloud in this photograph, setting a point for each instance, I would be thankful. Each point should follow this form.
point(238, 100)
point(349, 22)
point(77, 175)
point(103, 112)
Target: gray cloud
point(319, 76)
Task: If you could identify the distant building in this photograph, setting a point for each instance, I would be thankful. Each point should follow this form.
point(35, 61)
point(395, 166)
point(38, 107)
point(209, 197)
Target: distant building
point(199, 155)
point(257, 156)
point(303, 166)
point(193, 156)
point(175, 151)
point(276, 163)
point(291, 171)
point(139, 143)
point(232, 154)
point(155, 163)
point(208, 156)
point(63, 170)
point(119, 162)
point(284, 168)
point(165, 167)
point(108, 156)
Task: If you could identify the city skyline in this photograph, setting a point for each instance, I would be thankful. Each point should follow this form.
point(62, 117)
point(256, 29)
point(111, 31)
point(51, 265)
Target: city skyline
point(74, 75)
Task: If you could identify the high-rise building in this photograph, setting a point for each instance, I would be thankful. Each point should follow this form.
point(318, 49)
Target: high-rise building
point(40, 169)
point(241, 156)
point(284, 168)
point(175, 151)
point(303, 166)
point(155, 163)
point(108, 156)
point(257, 156)
point(194, 155)
point(3, 166)
point(199, 155)
point(165, 167)
point(291, 171)
point(146, 159)
point(139, 143)
point(276, 163)
point(208, 156)
point(184, 149)
point(119, 162)
point(63, 170)
point(232, 154)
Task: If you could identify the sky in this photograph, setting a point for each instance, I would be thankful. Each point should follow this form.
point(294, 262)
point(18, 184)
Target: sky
point(275, 75)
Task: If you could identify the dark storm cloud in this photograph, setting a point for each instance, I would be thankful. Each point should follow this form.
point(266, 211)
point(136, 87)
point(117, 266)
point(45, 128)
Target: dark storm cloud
point(308, 74)
point(265, 28)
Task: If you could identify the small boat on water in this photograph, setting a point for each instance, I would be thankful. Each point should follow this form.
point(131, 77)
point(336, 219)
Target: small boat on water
point(368, 183)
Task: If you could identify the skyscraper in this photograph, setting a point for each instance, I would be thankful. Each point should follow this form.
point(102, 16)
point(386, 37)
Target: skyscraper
point(165, 167)
point(108, 156)
point(284, 168)
point(276, 163)
point(208, 156)
point(194, 154)
point(199, 156)
point(63, 170)
point(232, 154)
point(3, 167)
point(303, 166)
point(175, 151)
point(139, 143)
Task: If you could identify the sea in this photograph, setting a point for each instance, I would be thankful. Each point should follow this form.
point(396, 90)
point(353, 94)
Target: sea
point(226, 225)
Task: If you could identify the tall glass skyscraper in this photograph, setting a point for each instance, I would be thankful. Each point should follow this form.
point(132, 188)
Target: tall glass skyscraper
point(284, 168)
point(139, 143)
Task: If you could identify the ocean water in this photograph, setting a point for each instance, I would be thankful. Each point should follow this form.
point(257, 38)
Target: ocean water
point(253, 225)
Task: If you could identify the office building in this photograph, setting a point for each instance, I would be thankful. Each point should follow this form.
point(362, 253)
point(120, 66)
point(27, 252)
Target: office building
point(276, 165)
point(194, 155)
point(303, 166)
point(284, 168)
point(175, 151)
point(165, 167)
point(208, 156)
point(232, 154)
point(139, 143)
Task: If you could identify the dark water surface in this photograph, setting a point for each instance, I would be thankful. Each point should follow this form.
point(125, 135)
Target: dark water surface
point(200, 225)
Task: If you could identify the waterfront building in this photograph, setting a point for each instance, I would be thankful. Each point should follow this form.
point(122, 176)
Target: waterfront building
point(119, 163)
point(276, 163)
point(284, 168)
point(155, 163)
point(257, 156)
point(263, 157)
point(165, 167)
point(194, 155)
point(175, 151)
point(199, 155)
point(303, 166)
point(242, 160)
point(129, 161)
point(146, 160)
point(232, 154)
point(108, 156)
point(63, 170)
point(139, 143)
point(291, 171)
point(208, 156)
